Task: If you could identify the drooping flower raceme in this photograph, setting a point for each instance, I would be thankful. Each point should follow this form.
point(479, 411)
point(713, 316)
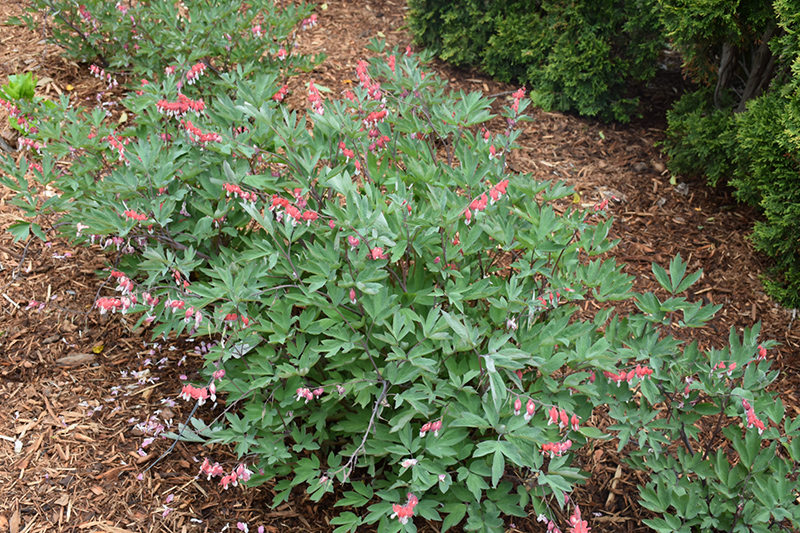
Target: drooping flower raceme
point(577, 525)
point(404, 512)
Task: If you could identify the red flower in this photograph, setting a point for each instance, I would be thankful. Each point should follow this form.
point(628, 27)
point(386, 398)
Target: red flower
point(404, 512)
point(529, 410)
point(576, 524)
point(553, 413)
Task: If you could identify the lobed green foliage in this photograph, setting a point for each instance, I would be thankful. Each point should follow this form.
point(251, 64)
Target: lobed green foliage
point(576, 56)
point(145, 38)
point(399, 319)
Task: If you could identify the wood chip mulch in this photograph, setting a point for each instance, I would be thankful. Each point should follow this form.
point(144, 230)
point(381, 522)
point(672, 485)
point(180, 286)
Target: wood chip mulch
point(83, 393)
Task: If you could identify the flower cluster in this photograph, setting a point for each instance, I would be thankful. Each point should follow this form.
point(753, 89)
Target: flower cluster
point(309, 23)
point(175, 305)
point(233, 317)
point(87, 16)
point(13, 110)
point(380, 141)
point(33, 304)
point(577, 525)
point(281, 94)
point(194, 73)
point(209, 470)
point(201, 394)
point(308, 395)
point(408, 463)
point(240, 473)
point(752, 419)
point(97, 72)
point(556, 449)
point(551, 298)
point(517, 96)
point(149, 299)
point(640, 372)
point(480, 203)
point(563, 419)
point(603, 204)
point(197, 135)
point(377, 253)
point(193, 315)
point(375, 118)
point(315, 98)
point(235, 190)
point(180, 280)
point(725, 369)
point(118, 145)
point(530, 408)
point(124, 283)
point(349, 154)
point(762, 353)
point(404, 512)
point(130, 214)
point(551, 526)
point(141, 92)
point(181, 107)
point(373, 87)
point(283, 206)
point(24, 142)
point(430, 426)
point(113, 304)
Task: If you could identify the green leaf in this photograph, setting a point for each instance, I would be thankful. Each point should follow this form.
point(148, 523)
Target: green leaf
point(706, 409)
point(476, 484)
point(498, 467)
point(499, 392)
point(592, 433)
point(688, 281)
point(662, 277)
point(455, 514)
point(348, 522)
point(19, 230)
point(457, 326)
point(659, 525)
point(470, 420)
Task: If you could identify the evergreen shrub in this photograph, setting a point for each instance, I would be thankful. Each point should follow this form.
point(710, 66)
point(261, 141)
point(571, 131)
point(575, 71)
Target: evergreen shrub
point(741, 126)
point(576, 56)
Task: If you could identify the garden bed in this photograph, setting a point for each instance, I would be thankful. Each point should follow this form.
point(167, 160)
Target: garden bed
point(82, 391)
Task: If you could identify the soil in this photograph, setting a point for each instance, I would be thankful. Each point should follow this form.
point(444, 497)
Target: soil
point(82, 393)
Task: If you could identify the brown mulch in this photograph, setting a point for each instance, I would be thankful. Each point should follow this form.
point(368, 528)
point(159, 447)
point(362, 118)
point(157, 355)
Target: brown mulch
point(82, 393)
